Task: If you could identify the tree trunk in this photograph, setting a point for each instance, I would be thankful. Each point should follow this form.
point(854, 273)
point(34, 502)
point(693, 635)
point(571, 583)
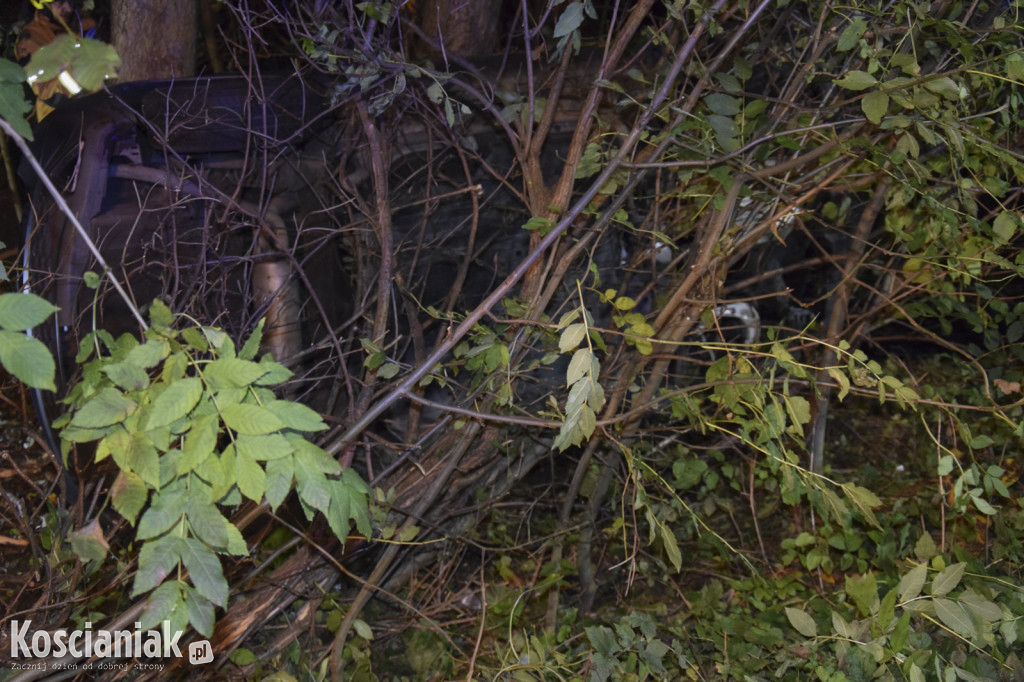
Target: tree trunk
point(466, 28)
point(155, 38)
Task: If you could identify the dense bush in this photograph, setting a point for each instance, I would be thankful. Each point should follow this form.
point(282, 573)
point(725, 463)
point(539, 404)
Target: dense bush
point(682, 342)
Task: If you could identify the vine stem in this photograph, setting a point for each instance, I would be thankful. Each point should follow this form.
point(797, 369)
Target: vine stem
point(66, 210)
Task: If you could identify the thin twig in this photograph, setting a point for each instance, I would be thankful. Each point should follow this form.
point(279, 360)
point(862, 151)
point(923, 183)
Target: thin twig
point(63, 205)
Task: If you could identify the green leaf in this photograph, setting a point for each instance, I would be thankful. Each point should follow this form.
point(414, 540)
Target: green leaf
point(802, 622)
point(1005, 226)
point(219, 471)
point(88, 542)
point(539, 224)
point(408, 533)
point(840, 378)
point(363, 629)
point(625, 303)
point(668, 541)
point(228, 396)
point(252, 345)
point(156, 560)
point(236, 543)
point(653, 654)
point(725, 131)
point(338, 511)
point(864, 592)
point(200, 612)
point(14, 106)
point(864, 500)
point(912, 582)
point(164, 604)
point(983, 505)
point(167, 509)
point(276, 372)
point(313, 487)
point(841, 627)
point(134, 452)
point(27, 359)
point(947, 579)
point(570, 316)
point(219, 341)
point(205, 572)
point(887, 608)
point(19, 312)
point(981, 441)
point(875, 104)
point(207, 523)
point(851, 35)
point(571, 337)
point(603, 640)
point(127, 376)
point(982, 609)
point(571, 19)
point(232, 373)
point(11, 72)
point(723, 105)
point(250, 419)
point(956, 617)
point(360, 512)
point(128, 495)
point(296, 415)
point(279, 476)
point(312, 457)
point(944, 86)
point(900, 633)
point(263, 447)
point(251, 479)
point(107, 407)
point(89, 61)
point(582, 362)
point(925, 548)
point(591, 163)
point(856, 80)
point(199, 443)
point(195, 339)
point(907, 144)
point(389, 370)
point(1015, 67)
point(175, 402)
point(799, 409)
point(955, 139)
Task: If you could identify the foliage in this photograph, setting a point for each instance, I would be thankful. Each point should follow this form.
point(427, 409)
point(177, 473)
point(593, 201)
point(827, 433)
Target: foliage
point(828, 492)
point(23, 356)
point(193, 424)
point(586, 396)
point(13, 105)
point(88, 62)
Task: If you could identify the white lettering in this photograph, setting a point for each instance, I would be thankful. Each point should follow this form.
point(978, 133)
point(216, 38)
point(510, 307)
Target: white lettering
point(18, 642)
point(172, 644)
point(73, 643)
point(82, 644)
point(123, 644)
point(103, 645)
point(59, 642)
point(40, 643)
point(151, 647)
